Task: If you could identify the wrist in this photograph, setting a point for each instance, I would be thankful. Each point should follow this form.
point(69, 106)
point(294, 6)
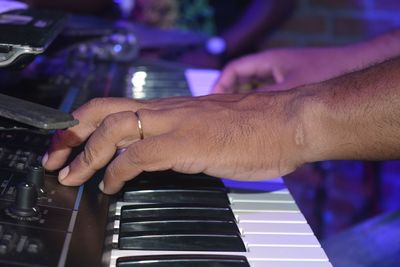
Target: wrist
point(329, 125)
point(296, 135)
point(315, 126)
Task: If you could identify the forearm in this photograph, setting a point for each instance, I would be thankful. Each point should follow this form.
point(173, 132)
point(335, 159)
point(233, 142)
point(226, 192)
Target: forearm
point(367, 53)
point(356, 116)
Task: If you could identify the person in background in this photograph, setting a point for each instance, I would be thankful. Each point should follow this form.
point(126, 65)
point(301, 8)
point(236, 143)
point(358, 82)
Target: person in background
point(234, 27)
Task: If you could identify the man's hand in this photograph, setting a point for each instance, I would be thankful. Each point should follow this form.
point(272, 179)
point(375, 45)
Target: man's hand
point(246, 137)
point(283, 69)
point(291, 67)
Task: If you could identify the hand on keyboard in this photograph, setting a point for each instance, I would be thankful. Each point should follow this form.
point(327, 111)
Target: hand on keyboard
point(283, 69)
point(244, 137)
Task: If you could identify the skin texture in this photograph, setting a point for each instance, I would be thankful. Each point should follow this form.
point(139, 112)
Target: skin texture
point(283, 69)
point(241, 136)
point(202, 130)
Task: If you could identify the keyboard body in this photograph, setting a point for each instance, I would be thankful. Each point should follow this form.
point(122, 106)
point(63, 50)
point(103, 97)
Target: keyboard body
point(79, 226)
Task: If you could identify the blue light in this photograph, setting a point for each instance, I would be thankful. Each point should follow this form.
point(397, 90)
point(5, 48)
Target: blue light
point(117, 48)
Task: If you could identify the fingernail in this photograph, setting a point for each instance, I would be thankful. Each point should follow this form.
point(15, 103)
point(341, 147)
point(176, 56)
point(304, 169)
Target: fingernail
point(101, 186)
point(45, 158)
point(63, 173)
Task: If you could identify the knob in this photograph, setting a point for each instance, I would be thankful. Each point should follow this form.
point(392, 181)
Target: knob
point(36, 178)
point(24, 207)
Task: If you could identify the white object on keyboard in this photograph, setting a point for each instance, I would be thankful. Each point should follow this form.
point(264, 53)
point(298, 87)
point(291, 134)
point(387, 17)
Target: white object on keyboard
point(201, 81)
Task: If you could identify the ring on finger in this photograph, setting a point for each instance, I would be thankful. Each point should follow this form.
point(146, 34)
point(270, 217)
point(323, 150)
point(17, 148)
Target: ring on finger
point(139, 125)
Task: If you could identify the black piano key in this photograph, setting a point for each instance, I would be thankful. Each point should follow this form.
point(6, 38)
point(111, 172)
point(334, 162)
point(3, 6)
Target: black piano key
point(176, 196)
point(181, 241)
point(169, 179)
point(195, 211)
point(183, 261)
point(168, 224)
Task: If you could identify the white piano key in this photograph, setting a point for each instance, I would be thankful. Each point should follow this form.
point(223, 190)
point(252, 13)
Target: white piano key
point(280, 240)
point(263, 207)
point(273, 197)
point(280, 217)
point(271, 228)
point(116, 224)
point(287, 253)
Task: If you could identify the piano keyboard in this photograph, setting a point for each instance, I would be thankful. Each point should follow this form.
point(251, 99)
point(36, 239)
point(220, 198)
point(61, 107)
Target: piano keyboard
point(169, 219)
point(268, 229)
point(159, 219)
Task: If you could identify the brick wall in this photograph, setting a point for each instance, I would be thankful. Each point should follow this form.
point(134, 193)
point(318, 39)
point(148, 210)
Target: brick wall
point(330, 22)
point(335, 195)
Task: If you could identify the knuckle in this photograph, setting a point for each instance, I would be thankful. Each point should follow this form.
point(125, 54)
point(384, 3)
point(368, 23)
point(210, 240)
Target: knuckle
point(144, 156)
point(88, 157)
point(87, 112)
point(134, 155)
point(96, 102)
point(110, 121)
point(90, 105)
point(244, 60)
point(232, 65)
point(112, 172)
point(120, 122)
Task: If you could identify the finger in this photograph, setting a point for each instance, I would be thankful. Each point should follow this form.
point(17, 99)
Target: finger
point(152, 154)
point(90, 116)
point(116, 131)
point(227, 80)
point(239, 72)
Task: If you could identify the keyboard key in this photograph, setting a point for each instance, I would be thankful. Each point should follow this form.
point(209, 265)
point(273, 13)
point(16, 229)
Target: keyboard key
point(176, 196)
point(165, 224)
point(183, 261)
point(181, 241)
point(168, 179)
point(178, 211)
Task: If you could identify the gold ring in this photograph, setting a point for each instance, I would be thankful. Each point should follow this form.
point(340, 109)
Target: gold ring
point(139, 125)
